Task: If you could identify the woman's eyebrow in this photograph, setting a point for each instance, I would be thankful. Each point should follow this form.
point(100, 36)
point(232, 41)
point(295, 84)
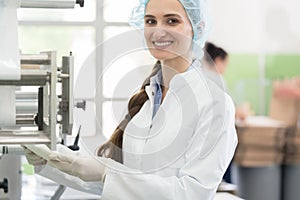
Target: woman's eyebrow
point(166, 15)
point(172, 15)
point(149, 16)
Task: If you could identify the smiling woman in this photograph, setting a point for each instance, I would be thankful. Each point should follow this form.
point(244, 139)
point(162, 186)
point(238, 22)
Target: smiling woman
point(178, 135)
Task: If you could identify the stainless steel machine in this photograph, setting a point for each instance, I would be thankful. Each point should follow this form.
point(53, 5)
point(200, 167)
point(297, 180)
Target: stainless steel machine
point(45, 114)
point(42, 111)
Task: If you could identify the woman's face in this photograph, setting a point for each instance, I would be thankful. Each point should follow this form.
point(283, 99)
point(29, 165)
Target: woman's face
point(168, 31)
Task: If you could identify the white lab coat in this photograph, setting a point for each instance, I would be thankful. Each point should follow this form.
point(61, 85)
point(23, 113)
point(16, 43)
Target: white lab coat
point(181, 153)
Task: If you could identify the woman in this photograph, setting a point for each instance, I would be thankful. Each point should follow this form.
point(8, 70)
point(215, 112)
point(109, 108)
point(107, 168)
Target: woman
point(216, 58)
point(178, 136)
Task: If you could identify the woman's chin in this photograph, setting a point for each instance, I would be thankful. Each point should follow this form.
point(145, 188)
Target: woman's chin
point(163, 54)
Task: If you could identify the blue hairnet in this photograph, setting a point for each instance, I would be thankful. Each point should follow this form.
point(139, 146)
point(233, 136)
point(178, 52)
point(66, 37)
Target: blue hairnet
point(197, 13)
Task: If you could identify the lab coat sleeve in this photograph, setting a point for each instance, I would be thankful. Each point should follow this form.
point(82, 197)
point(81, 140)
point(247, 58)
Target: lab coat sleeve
point(206, 161)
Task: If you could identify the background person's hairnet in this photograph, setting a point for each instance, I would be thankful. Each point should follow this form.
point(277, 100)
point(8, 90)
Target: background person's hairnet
point(197, 12)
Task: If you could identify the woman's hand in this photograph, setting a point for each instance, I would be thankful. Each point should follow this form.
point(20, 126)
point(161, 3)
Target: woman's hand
point(85, 168)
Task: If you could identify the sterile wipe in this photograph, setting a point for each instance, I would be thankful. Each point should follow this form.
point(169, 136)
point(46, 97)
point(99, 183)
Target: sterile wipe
point(40, 149)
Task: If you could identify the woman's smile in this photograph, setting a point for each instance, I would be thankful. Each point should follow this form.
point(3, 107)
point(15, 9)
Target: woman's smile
point(162, 44)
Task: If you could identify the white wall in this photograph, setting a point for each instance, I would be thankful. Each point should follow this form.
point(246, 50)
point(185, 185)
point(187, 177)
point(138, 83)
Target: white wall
point(256, 26)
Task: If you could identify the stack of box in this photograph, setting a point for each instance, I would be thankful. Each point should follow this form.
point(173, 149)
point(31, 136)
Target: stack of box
point(259, 156)
point(285, 108)
point(261, 142)
point(268, 154)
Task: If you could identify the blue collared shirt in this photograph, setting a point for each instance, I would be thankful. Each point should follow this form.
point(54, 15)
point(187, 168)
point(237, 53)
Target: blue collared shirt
point(158, 92)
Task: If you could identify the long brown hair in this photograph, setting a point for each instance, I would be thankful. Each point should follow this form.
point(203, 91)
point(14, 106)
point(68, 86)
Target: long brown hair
point(113, 147)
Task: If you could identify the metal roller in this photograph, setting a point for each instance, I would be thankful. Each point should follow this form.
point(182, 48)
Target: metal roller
point(26, 95)
point(50, 4)
point(36, 59)
point(25, 119)
point(26, 107)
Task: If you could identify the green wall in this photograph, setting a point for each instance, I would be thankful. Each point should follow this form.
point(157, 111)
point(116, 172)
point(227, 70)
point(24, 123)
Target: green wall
point(242, 77)
point(282, 66)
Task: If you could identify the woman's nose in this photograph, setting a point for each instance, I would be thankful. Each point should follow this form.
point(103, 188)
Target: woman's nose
point(158, 33)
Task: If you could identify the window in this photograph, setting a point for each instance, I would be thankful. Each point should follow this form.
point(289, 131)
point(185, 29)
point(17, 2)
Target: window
point(83, 31)
point(125, 74)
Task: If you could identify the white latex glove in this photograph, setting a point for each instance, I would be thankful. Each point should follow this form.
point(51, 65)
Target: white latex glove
point(85, 168)
point(33, 158)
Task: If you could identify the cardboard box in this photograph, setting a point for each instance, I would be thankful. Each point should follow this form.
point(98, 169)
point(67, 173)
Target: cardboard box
point(293, 141)
point(285, 107)
point(292, 159)
point(258, 157)
point(292, 149)
point(261, 136)
point(261, 131)
point(261, 142)
point(285, 110)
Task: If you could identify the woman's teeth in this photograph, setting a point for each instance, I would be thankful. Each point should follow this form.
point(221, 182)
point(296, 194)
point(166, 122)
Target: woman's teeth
point(162, 44)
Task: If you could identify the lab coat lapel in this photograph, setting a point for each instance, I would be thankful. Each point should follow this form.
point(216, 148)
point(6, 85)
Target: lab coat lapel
point(172, 126)
point(145, 138)
point(137, 132)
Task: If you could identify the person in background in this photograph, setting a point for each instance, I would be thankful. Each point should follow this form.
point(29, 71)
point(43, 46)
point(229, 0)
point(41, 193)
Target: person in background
point(216, 58)
point(178, 136)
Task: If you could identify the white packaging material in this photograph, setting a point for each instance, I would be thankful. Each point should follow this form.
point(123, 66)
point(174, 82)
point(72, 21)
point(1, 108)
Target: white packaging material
point(40, 149)
point(7, 106)
point(10, 68)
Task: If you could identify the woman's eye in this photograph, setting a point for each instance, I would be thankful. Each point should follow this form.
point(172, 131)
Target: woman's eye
point(150, 21)
point(172, 21)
